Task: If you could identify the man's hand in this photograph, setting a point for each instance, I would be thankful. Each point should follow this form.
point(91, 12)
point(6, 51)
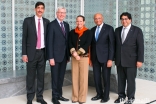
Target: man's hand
point(52, 62)
point(109, 63)
point(139, 64)
point(68, 60)
point(25, 58)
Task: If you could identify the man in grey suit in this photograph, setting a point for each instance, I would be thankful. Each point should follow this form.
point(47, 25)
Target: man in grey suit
point(102, 55)
point(58, 53)
point(33, 52)
point(129, 55)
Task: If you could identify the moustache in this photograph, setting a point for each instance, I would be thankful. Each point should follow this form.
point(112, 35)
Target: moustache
point(39, 12)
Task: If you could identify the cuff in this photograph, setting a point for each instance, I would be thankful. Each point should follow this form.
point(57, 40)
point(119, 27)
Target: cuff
point(82, 50)
point(72, 50)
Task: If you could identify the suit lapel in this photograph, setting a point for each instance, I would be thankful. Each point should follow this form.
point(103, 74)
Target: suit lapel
point(94, 29)
point(129, 33)
point(45, 28)
point(119, 35)
point(34, 24)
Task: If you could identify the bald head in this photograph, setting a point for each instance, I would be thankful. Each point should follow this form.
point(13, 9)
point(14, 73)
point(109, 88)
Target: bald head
point(98, 19)
point(98, 14)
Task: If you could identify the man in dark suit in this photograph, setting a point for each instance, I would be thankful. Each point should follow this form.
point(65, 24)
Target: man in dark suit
point(129, 55)
point(58, 53)
point(33, 52)
point(102, 54)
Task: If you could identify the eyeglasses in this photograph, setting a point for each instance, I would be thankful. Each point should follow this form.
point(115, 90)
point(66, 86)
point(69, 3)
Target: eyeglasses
point(122, 19)
point(61, 12)
point(97, 18)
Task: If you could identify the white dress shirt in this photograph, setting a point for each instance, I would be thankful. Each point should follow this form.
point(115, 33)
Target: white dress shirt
point(126, 31)
point(99, 29)
point(60, 22)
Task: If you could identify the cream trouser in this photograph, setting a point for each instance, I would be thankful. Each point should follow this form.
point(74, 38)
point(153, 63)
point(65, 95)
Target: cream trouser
point(80, 79)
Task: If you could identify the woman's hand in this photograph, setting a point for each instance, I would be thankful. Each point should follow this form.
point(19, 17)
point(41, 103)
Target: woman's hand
point(77, 57)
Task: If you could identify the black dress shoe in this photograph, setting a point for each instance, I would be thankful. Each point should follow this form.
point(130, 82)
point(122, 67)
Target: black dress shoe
point(29, 102)
point(63, 99)
point(118, 100)
point(97, 97)
point(41, 101)
point(129, 101)
point(55, 101)
point(105, 100)
point(80, 102)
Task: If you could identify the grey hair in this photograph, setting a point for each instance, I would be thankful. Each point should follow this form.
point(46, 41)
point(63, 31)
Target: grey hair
point(60, 7)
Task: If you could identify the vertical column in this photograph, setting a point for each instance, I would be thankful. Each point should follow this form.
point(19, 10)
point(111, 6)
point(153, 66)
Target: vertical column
point(117, 13)
point(13, 33)
point(82, 7)
point(55, 7)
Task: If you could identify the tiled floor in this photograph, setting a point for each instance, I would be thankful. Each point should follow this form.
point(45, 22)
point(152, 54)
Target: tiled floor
point(145, 92)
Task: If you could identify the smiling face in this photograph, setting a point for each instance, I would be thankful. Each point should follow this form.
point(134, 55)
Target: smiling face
point(98, 19)
point(125, 21)
point(61, 14)
point(39, 10)
point(80, 22)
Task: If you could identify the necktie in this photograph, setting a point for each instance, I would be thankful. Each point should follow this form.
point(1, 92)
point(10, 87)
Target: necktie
point(97, 33)
point(39, 35)
point(123, 35)
point(62, 28)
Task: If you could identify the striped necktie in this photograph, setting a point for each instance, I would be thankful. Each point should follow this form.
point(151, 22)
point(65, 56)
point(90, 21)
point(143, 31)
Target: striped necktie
point(62, 28)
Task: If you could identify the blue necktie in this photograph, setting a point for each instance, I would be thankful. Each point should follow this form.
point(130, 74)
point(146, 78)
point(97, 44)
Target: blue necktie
point(97, 33)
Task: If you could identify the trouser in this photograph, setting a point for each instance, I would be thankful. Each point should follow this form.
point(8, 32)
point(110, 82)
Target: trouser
point(36, 70)
point(126, 74)
point(80, 79)
point(57, 76)
point(98, 70)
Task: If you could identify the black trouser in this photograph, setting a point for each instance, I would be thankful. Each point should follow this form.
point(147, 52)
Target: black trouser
point(129, 74)
point(36, 67)
point(57, 75)
point(97, 66)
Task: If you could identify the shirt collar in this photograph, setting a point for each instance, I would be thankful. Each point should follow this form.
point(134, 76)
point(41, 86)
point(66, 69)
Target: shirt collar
point(128, 27)
point(101, 25)
point(38, 17)
point(58, 20)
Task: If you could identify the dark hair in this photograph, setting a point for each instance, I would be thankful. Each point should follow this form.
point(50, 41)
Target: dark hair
point(39, 3)
point(81, 16)
point(126, 14)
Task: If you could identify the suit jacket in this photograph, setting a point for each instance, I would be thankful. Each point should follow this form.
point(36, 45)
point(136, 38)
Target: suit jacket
point(29, 38)
point(132, 50)
point(80, 43)
point(57, 42)
point(103, 48)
